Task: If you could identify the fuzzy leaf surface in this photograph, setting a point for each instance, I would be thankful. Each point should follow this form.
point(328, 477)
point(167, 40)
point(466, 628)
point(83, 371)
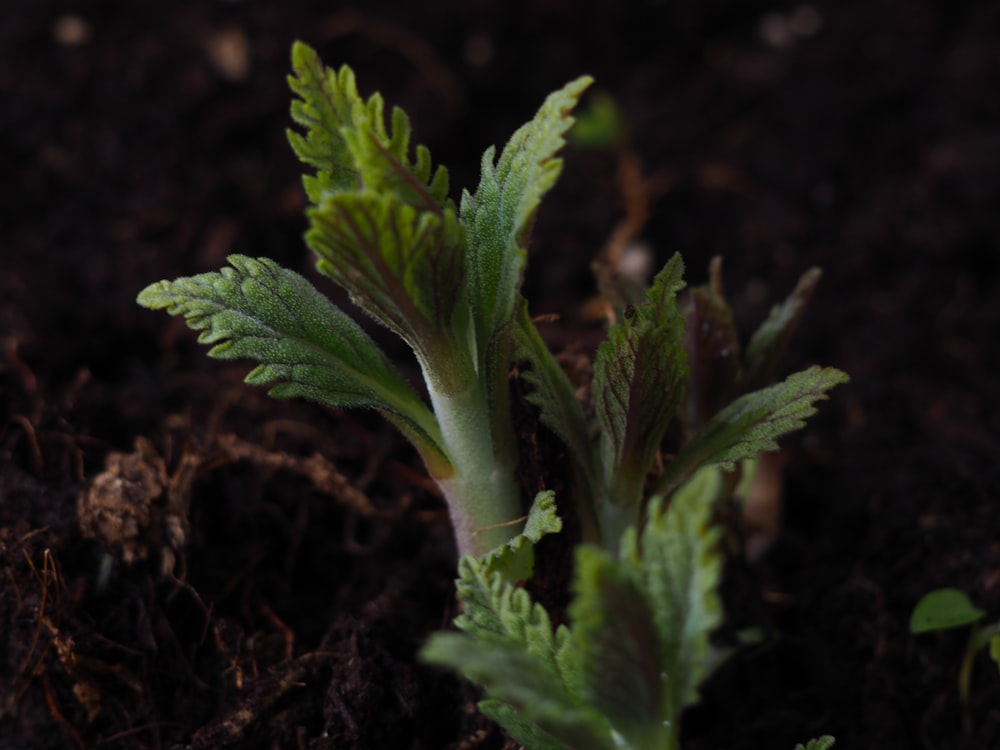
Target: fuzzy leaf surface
point(639, 378)
point(347, 141)
point(499, 215)
point(681, 566)
point(752, 424)
point(403, 266)
point(511, 649)
point(304, 345)
point(618, 647)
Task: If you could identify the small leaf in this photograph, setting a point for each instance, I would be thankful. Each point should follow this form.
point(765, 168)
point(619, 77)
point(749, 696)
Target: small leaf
point(751, 424)
point(639, 378)
point(304, 345)
point(499, 216)
point(942, 609)
point(820, 743)
point(348, 143)
point(770, 340)
point(515, 560)
point(600, 124)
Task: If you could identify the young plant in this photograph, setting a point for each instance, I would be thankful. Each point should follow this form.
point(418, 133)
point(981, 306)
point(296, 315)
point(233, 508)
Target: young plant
point(947, 608)
point(447, 280)
point(444, 278)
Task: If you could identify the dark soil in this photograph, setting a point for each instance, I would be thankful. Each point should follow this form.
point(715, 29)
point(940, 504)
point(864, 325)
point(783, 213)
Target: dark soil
point(277, 566)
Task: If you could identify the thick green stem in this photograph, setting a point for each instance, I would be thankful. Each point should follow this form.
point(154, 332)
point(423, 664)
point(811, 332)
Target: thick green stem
point(482, 496)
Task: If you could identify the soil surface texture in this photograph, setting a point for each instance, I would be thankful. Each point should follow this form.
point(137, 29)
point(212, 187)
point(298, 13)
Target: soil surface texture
point(186, 563)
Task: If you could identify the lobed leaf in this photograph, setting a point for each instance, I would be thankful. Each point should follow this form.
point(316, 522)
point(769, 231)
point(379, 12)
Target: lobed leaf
point(751, 424)
point(511, 649)
point(304, 345)
point(346, 139)
point(515, 560)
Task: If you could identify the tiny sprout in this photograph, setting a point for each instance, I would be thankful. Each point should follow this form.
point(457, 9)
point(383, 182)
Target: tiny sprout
point(948, 608)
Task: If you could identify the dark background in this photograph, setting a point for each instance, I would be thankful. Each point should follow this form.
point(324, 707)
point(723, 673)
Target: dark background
point(142, 141)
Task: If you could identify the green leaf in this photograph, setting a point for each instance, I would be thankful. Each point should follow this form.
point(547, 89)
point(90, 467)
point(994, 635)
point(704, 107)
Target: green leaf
point(600, 124)
point(512, 650)
point(515, 560)
point(751, 424)
point(304, 345)
point(639, 378)
point(526, 732)
point(820, 743)
point(713, 347)
point(499, 216)
point(681, 565)
point(559, 408)
point(618, 648)
point(347, 141)
point(942, 609)
point(770, 340)
point(404, 267)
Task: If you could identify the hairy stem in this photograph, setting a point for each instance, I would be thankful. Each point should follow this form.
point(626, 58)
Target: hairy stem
point(482, 496)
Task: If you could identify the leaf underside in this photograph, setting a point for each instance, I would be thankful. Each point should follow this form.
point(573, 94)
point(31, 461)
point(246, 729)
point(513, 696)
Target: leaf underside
point(751, 424)
point(303, 344)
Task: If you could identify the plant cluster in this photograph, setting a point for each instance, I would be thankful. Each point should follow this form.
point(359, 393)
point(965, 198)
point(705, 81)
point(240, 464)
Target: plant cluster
point(446, 278)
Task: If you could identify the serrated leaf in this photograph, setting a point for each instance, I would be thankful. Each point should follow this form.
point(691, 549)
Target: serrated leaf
point(618, 648)
point(525, 732)
point(499, 216)
point(942, 609)
point(639, 378)
point(713, 348)
point(512, 650)
point(515, 560)
point(682, 566)
point(528, 701)
point(820, 743)
point(404, 267)
point(751, 424)
point(304, 345)
point(770, 340)
point(347, 141)
point(559, 408)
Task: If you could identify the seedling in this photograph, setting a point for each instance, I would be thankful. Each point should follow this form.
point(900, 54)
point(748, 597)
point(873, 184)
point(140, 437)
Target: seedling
point(947, 608)
point(447, 280)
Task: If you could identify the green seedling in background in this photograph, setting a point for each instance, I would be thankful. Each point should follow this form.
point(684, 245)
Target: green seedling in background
point(446, 278)
point(948, 608)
